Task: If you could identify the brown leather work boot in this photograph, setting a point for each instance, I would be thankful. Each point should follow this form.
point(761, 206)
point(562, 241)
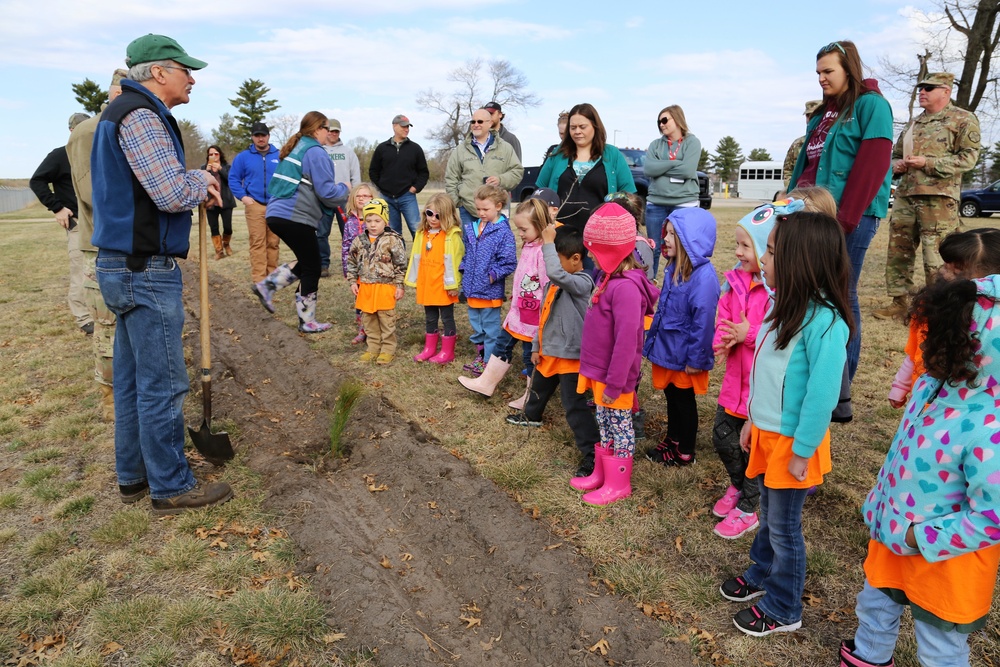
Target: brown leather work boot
point(897, 311)
point(202, 495)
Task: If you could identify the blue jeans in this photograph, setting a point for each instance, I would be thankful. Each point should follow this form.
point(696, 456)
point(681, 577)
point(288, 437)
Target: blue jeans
point(150, 378)
point(486, 329)
point(878, 628)
point(405, 205)
point(857, 246)
point(656, 220)
point(323, 240)
point(505, 350)
point(465, 216)
point(779, 553)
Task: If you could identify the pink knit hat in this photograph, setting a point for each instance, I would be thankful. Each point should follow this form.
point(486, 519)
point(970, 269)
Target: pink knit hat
point(610, 235)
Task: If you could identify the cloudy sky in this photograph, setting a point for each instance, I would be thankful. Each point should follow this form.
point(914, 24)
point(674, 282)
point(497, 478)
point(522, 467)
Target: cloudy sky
point(736, 68)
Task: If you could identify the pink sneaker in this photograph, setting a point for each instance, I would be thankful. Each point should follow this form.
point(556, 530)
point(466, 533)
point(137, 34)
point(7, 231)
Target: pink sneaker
point(724, 505)
point(737, 524)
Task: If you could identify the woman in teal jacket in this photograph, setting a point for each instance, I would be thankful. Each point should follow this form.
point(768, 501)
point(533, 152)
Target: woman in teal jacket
point(848, 150)
point(585, 168)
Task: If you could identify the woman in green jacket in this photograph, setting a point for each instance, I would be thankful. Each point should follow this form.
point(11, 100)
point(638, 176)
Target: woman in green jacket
point(848, 150)
point(585, 168)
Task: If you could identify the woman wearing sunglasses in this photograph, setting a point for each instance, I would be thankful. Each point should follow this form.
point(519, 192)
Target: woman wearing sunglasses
point(671, 164)
point(848, 150)
point(483, 158)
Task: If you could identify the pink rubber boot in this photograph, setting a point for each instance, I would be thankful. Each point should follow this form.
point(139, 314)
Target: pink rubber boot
point(594, 480)
point(518, 403)
point(447, 353)
point(617, 482)
point(430, 347)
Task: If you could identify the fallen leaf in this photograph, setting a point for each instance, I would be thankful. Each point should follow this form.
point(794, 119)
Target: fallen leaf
point(471, 621)
point(275, 420)
point(602, 646)
point(220, 543)
point(406, 557)
point(251, 391)
point(448, 405)
point(230, 331)
point(433, 505)
point(110, 648)
point(471, 607)
point(678, 543)
point(454, 452)
point(334, 637)
point(385, 562)
point(299, 413)
point(490, 551)
point(370, 482)
point(221, 594)
point(552, 546)
point(608, 629)
point(259, 556)
point(812, 600)
point(266, 381)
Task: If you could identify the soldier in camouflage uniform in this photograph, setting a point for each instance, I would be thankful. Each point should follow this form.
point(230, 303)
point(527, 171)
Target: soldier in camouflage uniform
point(931, 155)
point(793, 151)
point(78, 150)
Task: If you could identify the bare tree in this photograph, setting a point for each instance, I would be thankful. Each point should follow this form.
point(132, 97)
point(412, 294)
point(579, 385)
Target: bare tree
point(500, 82)
point(961, 39)
point(282, 128)
point(364, 149)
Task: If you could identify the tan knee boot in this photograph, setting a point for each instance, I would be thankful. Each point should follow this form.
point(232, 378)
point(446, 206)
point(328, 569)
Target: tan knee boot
point(107, 403)
point(217, 242)
point(225, 244)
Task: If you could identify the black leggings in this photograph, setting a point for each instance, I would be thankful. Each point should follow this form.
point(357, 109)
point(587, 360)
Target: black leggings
point(227, 220)
point(682, 417)
point(447, 315)
point(302, 240)
point(726, 438)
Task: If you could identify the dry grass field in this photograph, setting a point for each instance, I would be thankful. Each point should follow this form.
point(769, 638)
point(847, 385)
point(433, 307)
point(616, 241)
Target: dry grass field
point(87, 581)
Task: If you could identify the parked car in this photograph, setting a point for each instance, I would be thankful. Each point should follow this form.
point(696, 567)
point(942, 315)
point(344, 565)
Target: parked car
point(634, 157)
point(983, 202)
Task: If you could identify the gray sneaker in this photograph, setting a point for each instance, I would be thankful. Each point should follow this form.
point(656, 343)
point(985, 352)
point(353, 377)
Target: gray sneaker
point(202, 495)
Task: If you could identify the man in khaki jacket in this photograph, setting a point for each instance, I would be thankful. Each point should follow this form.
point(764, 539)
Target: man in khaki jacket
point(931, 155)
point(482, 158)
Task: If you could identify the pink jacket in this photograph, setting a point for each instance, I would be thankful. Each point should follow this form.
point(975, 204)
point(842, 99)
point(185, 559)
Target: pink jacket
point(739, 297)
point(526, 293)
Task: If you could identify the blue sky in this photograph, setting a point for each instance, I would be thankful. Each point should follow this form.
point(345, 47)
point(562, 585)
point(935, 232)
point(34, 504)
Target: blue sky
point(736, 68)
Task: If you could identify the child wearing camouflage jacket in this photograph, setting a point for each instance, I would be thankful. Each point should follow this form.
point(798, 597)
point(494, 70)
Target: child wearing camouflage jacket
point(376, 265)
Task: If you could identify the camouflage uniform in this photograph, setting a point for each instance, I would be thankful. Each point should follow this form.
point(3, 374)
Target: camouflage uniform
point(926, 205)
point(78, 149)
point(790, 158)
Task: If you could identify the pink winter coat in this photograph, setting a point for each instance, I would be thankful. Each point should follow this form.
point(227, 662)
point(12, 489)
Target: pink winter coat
point(526, 293)
point(738, 297)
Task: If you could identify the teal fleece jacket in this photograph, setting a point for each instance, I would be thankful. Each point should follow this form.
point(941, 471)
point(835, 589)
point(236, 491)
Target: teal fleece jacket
point(615, 166)
point(794, 391)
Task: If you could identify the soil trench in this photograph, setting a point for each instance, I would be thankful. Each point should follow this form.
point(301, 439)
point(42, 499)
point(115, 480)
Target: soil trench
point(438, 567)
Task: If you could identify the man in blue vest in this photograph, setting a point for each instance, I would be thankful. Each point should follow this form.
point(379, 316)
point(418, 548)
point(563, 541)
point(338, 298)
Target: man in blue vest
point(142, 197)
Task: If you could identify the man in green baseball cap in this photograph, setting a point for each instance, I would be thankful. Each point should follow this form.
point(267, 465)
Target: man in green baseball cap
point(142, 196)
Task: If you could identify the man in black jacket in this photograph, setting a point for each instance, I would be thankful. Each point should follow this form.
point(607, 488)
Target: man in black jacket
point(399, 171)
point(52, 183)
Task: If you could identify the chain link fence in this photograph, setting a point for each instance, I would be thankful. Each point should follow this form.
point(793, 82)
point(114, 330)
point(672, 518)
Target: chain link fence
point(13, 199)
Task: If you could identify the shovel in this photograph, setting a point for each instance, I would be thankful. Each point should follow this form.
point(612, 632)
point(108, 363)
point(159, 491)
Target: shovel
point(215, 447)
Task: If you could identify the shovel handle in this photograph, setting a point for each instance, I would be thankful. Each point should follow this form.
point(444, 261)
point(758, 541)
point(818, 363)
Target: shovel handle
point(206, 350)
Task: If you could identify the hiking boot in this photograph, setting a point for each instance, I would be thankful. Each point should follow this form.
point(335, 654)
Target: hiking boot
point(756, 623)
point(133, 493)
point(202, 495)
point(521, 419)
point(897, 311)
point(738, 590)
point(736, 525)
point(724, 505)
point(324, 272)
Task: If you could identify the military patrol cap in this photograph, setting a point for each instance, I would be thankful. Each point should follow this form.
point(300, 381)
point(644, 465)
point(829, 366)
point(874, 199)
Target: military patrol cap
point(149, 48)
point(116, 78)
point(811, 106)
point(942, 79)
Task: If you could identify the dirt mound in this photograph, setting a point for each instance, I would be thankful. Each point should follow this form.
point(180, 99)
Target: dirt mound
point(413, 551)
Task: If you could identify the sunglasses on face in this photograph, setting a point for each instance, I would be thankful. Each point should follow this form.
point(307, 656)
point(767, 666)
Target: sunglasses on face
point(663, 121)
point(477, 122)
point(926, 87)
point(431, 214)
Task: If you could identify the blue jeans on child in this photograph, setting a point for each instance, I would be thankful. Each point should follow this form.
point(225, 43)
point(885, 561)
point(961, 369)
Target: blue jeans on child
point(150, 377)
point(779, 553)
point(878, 628)
point(505, 350)
point(486, 329)
point(857, 246)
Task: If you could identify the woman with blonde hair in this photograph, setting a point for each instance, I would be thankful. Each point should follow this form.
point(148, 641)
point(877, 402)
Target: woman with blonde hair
point(301, 191)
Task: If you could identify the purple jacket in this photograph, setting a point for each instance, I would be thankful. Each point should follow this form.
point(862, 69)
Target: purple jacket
point(681, 333)
point(489, 259)
point(352, 228)
point(611, 345)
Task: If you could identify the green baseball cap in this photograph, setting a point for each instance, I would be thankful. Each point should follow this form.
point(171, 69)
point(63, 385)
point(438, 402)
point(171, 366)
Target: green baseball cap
point(152, 47)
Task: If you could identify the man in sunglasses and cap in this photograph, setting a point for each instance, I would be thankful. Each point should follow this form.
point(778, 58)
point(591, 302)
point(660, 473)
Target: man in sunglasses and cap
point(930, 156)
point(142, 197)
point(496, 116)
